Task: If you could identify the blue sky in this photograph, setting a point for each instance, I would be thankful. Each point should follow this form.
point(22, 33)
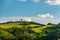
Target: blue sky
point(30, 8)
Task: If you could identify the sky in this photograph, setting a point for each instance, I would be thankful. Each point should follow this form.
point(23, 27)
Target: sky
point(41, 11)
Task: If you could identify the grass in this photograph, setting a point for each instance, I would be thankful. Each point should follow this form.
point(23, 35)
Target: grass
point(35, 27)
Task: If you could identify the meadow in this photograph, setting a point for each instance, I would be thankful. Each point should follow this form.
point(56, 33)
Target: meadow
point(29, 31)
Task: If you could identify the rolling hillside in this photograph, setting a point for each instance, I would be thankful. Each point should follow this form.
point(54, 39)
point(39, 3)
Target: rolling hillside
point(29, 31)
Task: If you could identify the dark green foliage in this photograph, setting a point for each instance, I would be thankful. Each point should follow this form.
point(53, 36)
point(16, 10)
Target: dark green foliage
point(51, 24)
point(26, 32)
point(52, 32)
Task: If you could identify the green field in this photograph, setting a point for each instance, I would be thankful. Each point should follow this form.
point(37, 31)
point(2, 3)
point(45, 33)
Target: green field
point(29, 31)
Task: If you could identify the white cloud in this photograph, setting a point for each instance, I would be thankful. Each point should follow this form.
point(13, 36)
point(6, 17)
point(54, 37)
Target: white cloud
point(42, 18)
point(45, 20)
point(53, 2)
point(22, 0)
point(36, 1)
point(28, 19)
point(48, 15)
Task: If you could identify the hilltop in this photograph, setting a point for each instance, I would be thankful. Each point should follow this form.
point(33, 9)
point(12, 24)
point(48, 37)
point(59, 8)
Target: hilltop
point(18, 24)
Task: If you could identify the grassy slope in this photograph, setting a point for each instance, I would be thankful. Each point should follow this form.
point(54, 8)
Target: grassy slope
point(31, 24)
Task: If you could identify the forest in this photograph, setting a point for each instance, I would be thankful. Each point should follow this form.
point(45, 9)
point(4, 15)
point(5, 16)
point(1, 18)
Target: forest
point(29, 31)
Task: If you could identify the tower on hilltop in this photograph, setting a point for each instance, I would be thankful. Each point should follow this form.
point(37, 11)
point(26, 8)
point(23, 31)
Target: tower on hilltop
point(21, 19)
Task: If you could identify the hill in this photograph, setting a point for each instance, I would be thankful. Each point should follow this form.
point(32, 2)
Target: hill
point(19, 24)
point(29, 31)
